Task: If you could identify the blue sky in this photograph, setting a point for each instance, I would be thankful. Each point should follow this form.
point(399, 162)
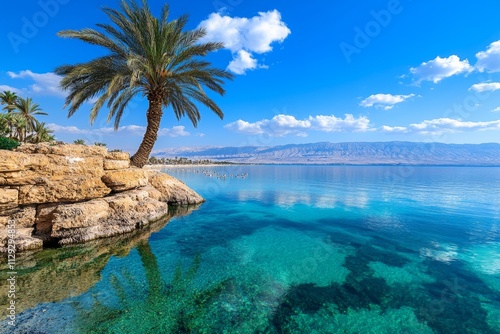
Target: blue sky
point(305, 72)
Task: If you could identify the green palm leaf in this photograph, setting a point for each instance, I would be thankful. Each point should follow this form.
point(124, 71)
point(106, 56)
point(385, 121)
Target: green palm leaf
point(151, 56)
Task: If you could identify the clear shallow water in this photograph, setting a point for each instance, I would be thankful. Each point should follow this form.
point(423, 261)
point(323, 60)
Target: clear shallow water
point(293, 249)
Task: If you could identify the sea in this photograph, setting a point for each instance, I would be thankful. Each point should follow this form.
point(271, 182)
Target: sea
point(286, 249)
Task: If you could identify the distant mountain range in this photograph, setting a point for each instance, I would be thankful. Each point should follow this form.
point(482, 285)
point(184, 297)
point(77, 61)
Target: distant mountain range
point(357, 153)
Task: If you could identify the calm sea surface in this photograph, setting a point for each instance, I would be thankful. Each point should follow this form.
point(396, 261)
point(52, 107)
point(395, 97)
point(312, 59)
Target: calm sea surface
point(287, 249)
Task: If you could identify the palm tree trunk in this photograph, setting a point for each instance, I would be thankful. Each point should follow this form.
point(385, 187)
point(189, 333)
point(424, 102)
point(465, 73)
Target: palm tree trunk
point(140, 158)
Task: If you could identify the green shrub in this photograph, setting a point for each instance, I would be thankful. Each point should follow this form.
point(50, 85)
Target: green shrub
point(79, 142)
point(8, 144)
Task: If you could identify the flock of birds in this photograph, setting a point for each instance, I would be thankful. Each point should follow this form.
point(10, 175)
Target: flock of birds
point(214, 174)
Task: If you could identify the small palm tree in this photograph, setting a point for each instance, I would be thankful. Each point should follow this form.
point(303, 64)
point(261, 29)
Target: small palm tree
point(41, 134)
point(26, 112)
point(149, 56)
point(79, 142)
point(19, 126)
point(4, 128)
point(9, 99)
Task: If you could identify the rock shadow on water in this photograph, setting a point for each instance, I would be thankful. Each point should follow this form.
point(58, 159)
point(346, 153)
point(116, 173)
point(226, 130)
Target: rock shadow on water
point(54, 274)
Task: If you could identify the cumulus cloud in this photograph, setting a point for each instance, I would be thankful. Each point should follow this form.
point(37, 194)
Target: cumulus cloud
point(253, 35)
point(485, 86)
point(384, 101)
point(4, 88)
point(242, 61)
point(132, 130)
point(44, 83)
point(497, 109)
point(337, 124)
point(282, 125)
point(394, 129)
point(175, 131)
point(441, 125)
point(489, 60)
point(440, 68)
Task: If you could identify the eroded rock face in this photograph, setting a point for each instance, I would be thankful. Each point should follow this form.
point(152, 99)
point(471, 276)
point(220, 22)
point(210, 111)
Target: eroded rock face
point(172, 190)
point(76, 193)
point(116, 160)
point(126, 179)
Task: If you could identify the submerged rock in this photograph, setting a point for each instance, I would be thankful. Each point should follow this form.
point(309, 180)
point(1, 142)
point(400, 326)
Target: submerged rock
point(68, 194)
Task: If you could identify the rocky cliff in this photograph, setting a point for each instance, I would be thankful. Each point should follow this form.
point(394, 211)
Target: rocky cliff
point(64, 194)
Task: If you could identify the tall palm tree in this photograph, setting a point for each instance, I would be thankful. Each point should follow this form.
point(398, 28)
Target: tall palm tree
point(149, 56)
point(26, 111)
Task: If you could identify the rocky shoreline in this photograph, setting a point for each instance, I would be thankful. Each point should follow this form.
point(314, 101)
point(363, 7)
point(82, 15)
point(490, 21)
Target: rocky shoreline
point(67, 194)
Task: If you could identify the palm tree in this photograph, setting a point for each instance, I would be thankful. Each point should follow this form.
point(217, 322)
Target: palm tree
point(41, 134)
point(19, 126)
point(9, 99)
point(26, 111)
point(4, 127)
point(149, 56)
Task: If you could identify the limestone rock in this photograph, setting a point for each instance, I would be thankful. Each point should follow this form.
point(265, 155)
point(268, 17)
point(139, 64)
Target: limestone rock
point(116, 164)
point(24, 217)
point(173, 191)
point(118, 156)
point(76, 193)
point(12, 161)
point(23, 240)
point(69, 150)
point(72, 189)
point(126, 179)
point(117, 214)
point(8, 198)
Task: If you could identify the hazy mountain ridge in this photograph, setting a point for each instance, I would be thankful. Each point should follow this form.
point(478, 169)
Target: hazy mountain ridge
point(349, 153)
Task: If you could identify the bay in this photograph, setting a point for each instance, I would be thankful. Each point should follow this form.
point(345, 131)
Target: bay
point(289, 249)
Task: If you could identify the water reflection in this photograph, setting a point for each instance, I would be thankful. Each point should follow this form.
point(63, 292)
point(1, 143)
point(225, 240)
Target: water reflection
point(53, 275)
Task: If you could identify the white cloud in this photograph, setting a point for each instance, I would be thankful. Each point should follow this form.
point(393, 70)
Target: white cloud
point(384, 101)
point(394, 129)
point(67, 129)
point(337, 124)
point(175, 131)
point(497, 109)
point(251, 35)
point(439, 68)
point(4, 88)
point(133, 130)
point(242, 61)
point(442, 125)
point(489, 60)
point(242, 126)
point(282, 125)
point(45, 83)
point(485, 86)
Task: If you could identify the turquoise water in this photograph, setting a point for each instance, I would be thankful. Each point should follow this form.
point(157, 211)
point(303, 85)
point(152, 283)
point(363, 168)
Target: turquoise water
point(295, 249)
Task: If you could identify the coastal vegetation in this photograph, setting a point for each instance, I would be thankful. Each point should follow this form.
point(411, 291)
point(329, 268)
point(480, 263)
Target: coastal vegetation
point(18, 122)
point(152, 56)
